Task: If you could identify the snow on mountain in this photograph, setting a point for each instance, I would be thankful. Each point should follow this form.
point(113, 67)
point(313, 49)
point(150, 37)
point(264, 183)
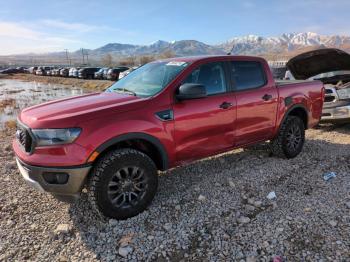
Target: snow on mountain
point(252, 44)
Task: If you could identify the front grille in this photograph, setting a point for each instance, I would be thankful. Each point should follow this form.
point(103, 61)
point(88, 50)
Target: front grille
point(331, 95)
point(329, 98)
point(24, 138)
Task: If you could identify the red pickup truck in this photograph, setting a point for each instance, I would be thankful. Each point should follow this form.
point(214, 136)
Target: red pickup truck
point(162, 115)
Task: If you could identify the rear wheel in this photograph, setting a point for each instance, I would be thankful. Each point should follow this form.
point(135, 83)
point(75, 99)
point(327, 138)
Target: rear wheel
point(123, 183)
point(291, 137)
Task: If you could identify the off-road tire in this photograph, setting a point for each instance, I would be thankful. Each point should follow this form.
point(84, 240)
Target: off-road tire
point(280, 146)
point(104, 173)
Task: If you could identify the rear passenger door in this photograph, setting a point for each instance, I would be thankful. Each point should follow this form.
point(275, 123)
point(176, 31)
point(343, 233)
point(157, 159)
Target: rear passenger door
point(256, 101)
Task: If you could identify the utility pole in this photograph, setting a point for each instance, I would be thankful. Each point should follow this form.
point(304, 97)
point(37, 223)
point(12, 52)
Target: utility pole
point(87, 57)
point(82, 52)
point(67, 58)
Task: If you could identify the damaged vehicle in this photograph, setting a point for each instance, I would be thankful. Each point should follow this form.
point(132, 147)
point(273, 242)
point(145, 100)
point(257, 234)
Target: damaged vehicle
point(162, 115)
point(332, 67)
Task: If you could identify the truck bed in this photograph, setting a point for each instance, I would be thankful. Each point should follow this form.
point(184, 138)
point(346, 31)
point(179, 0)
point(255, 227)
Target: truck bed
point(281, 83)
point(308, 93)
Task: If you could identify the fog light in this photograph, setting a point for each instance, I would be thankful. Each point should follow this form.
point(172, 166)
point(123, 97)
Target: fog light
point(56, 178)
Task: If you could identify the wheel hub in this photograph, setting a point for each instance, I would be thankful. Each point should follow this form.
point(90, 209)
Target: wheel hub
point(294, 137)
point(127, 186)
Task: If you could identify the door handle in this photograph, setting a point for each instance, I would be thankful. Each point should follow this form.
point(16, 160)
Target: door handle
point(267, 97)
point(225, 105)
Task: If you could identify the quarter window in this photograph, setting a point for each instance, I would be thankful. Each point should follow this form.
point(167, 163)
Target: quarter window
point(247, 74)
point(212, 76)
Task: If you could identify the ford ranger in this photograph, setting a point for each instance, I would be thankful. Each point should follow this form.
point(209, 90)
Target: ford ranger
point(162, 115)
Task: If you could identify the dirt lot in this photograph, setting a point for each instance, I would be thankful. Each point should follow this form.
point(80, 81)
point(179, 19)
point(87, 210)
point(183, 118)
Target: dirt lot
point(92, 85)
point(215, 209)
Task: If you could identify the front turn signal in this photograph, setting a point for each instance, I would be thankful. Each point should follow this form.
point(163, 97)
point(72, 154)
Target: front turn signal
point(93, 156)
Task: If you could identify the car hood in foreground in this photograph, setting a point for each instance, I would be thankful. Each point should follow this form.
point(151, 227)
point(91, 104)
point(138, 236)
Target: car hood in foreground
point(316, 62)
point(67, 111)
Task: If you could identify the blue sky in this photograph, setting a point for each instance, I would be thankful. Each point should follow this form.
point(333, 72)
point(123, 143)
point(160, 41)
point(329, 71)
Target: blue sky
point(43, 26)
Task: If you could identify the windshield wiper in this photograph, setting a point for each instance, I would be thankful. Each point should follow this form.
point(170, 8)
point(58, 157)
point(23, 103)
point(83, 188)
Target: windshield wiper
point(126, 91)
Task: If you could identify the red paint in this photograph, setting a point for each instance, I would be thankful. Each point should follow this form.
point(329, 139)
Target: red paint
point(199, 129)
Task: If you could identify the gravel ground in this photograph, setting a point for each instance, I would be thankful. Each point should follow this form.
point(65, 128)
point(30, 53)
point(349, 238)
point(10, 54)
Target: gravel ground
point(216, 209)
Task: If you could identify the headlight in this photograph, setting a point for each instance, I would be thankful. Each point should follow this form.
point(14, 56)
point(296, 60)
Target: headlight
point(46, 137)
point(344, 93)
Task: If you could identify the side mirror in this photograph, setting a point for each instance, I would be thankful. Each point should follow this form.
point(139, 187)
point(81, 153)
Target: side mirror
point(191, 91)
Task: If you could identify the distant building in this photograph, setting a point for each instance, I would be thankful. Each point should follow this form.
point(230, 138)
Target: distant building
point(278, 68)
point(277, 63)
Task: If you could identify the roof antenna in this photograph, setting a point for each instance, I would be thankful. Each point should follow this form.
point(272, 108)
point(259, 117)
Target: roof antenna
point(230, 53)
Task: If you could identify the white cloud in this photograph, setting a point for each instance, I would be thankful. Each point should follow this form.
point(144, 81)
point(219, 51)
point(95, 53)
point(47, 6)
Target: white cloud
point(48, 35)
point(15, 30)
point(19, 38)
point(82, 28)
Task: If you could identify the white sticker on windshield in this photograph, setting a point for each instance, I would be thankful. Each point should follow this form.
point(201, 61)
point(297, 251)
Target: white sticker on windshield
point(175, 63)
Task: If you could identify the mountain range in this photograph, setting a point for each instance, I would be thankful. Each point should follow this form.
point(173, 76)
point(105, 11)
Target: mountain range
point(285, 45)
point(250, 44)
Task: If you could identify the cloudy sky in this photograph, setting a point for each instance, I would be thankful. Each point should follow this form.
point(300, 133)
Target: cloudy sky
point(44, 26)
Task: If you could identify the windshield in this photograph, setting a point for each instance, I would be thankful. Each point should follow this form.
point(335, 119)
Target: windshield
point(149, 79)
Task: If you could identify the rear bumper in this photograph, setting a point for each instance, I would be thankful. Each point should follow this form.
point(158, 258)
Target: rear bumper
point(335, 114)
point(37, 177)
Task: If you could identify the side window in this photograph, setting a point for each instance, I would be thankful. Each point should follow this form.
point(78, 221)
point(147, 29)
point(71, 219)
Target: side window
point(248, 74)
point(212, 76)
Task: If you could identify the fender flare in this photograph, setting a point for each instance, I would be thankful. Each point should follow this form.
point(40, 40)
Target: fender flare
point(295, 106)
point(135, 135)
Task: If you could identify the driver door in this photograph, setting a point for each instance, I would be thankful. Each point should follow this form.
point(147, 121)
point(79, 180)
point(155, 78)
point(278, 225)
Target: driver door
point(205, 126)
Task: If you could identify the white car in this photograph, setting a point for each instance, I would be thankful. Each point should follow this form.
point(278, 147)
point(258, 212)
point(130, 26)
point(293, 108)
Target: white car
point(126, 72)
point(332, 67)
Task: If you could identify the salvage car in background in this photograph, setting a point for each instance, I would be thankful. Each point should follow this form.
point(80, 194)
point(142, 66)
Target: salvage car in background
point(42, 70)
point(32, 69)
point(113, 73)
point(88, 72)
point(102, 73)
point(64, 72)
point(48, 72)
point(332, 67)
point(55, 71)
point(10, 71)
point(74, 72)
point(71, 70)
point(126, 72)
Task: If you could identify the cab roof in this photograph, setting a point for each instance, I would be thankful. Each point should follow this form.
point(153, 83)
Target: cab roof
point(192, 59)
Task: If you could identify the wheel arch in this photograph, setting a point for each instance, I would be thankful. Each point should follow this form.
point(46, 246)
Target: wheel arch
point(143, 142)
point(298, 110)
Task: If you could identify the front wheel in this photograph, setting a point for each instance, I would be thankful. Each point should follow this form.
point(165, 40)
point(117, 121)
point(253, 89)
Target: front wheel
point(123, 183)
point(290, 139)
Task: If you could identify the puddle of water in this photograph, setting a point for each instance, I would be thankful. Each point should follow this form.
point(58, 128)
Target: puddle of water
point(16, 95)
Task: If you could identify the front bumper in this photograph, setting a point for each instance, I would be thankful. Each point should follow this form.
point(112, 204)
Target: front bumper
point(341, 113)
point(68, 191)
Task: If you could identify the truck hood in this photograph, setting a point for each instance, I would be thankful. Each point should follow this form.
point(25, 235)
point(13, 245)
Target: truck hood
point(69, 111)
point(316, 62)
